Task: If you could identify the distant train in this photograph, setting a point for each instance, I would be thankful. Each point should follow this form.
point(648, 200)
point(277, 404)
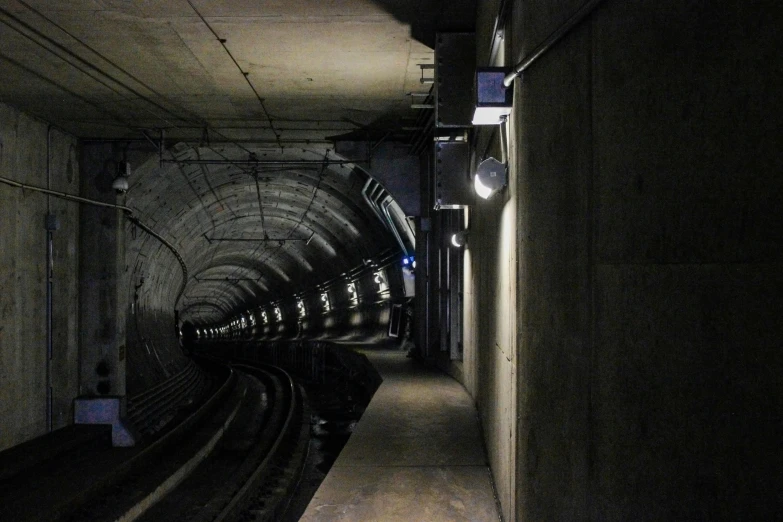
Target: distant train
point(368, 302)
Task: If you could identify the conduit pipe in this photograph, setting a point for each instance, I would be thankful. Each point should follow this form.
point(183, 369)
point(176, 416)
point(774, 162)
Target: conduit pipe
point(575, 19)
point(49, 286)
point(262, 162)
point(128, 212)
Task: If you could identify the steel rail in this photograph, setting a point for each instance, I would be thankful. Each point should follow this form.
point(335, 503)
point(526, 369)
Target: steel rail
point(240, 497)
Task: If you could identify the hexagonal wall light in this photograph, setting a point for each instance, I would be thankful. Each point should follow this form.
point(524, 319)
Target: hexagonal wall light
point(490, 177)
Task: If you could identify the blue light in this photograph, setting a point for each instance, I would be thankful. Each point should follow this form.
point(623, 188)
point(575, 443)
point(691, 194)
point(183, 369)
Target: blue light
point(405, 261)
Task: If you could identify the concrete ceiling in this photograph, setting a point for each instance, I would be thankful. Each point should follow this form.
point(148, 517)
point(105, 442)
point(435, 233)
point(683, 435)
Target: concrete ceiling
point(110, 68)
point(222, 79)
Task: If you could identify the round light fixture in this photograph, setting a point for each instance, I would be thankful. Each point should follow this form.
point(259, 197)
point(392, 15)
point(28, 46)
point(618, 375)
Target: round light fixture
point(490, 177)
point(120, 183)
point(459, 239)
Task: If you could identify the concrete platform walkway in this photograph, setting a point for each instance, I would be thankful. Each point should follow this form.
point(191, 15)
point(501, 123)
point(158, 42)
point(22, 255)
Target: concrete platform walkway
point(415, 455)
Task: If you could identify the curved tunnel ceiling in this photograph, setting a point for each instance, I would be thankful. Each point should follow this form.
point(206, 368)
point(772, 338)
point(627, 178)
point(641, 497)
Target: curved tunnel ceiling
point(251, 232)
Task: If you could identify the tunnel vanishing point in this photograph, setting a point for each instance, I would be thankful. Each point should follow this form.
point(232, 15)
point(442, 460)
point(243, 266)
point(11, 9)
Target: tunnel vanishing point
point(301, 170)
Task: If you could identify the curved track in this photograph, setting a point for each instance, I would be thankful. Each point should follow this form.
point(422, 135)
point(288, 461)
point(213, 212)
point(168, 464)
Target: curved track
point(256, 463)
point(240, 463)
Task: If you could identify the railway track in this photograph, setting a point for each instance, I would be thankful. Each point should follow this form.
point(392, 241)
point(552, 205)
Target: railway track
point(242, 463)
point(251, 476)
point(234, 445)
point(264, 495)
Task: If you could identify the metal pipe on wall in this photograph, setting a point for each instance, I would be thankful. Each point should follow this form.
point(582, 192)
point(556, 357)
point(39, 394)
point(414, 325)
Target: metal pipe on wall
point(552, 39)
point(262, 162)
point(63, 195)
point(128, 211)
point(49, 283)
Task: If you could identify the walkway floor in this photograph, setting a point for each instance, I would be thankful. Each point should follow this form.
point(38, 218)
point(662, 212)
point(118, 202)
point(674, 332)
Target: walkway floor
point(415, 455)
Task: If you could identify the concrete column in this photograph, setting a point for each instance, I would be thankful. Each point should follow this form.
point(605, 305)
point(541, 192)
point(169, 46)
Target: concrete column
point(34, 153)
point(103, 281)
point(64, 364)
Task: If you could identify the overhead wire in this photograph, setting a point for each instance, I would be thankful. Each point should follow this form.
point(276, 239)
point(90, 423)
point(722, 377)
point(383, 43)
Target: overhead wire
point(194, 118)
point(245, 74)
point(103, 110)
point(260, 203)
point(206, 173)
point(89, 65)
point(254, 175)
point(307, 209)
point(181, 170)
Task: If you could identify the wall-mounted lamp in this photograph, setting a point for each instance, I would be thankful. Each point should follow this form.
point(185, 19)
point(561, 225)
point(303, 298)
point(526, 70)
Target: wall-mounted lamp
point(460, 239)
point(490, 177)
point(120, 183)
point(494, 100)
point(278, 314)
point(325, 300)
point(301, 306)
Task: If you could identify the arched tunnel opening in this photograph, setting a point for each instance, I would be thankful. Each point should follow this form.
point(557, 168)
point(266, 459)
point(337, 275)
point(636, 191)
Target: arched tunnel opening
point(263, 244)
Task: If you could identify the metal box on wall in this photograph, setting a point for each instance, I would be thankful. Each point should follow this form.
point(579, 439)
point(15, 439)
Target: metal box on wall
point(455, 65)
point(494, 100)
point(452, 175)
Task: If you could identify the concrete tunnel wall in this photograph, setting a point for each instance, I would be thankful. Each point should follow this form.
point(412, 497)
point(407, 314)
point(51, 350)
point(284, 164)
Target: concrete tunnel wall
point(25, 144)
point(647, 223)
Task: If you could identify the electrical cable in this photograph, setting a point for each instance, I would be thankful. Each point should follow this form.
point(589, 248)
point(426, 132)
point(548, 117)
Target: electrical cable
point(194, 117)
point(79, 59)
point(245, 74)
point(260, 204)
point(195, 192)
point(306, 210)
point(129, 213)
point(101, 109)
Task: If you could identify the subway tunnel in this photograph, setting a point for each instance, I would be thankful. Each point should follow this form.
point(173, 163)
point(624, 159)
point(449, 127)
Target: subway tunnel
point(189, 188)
